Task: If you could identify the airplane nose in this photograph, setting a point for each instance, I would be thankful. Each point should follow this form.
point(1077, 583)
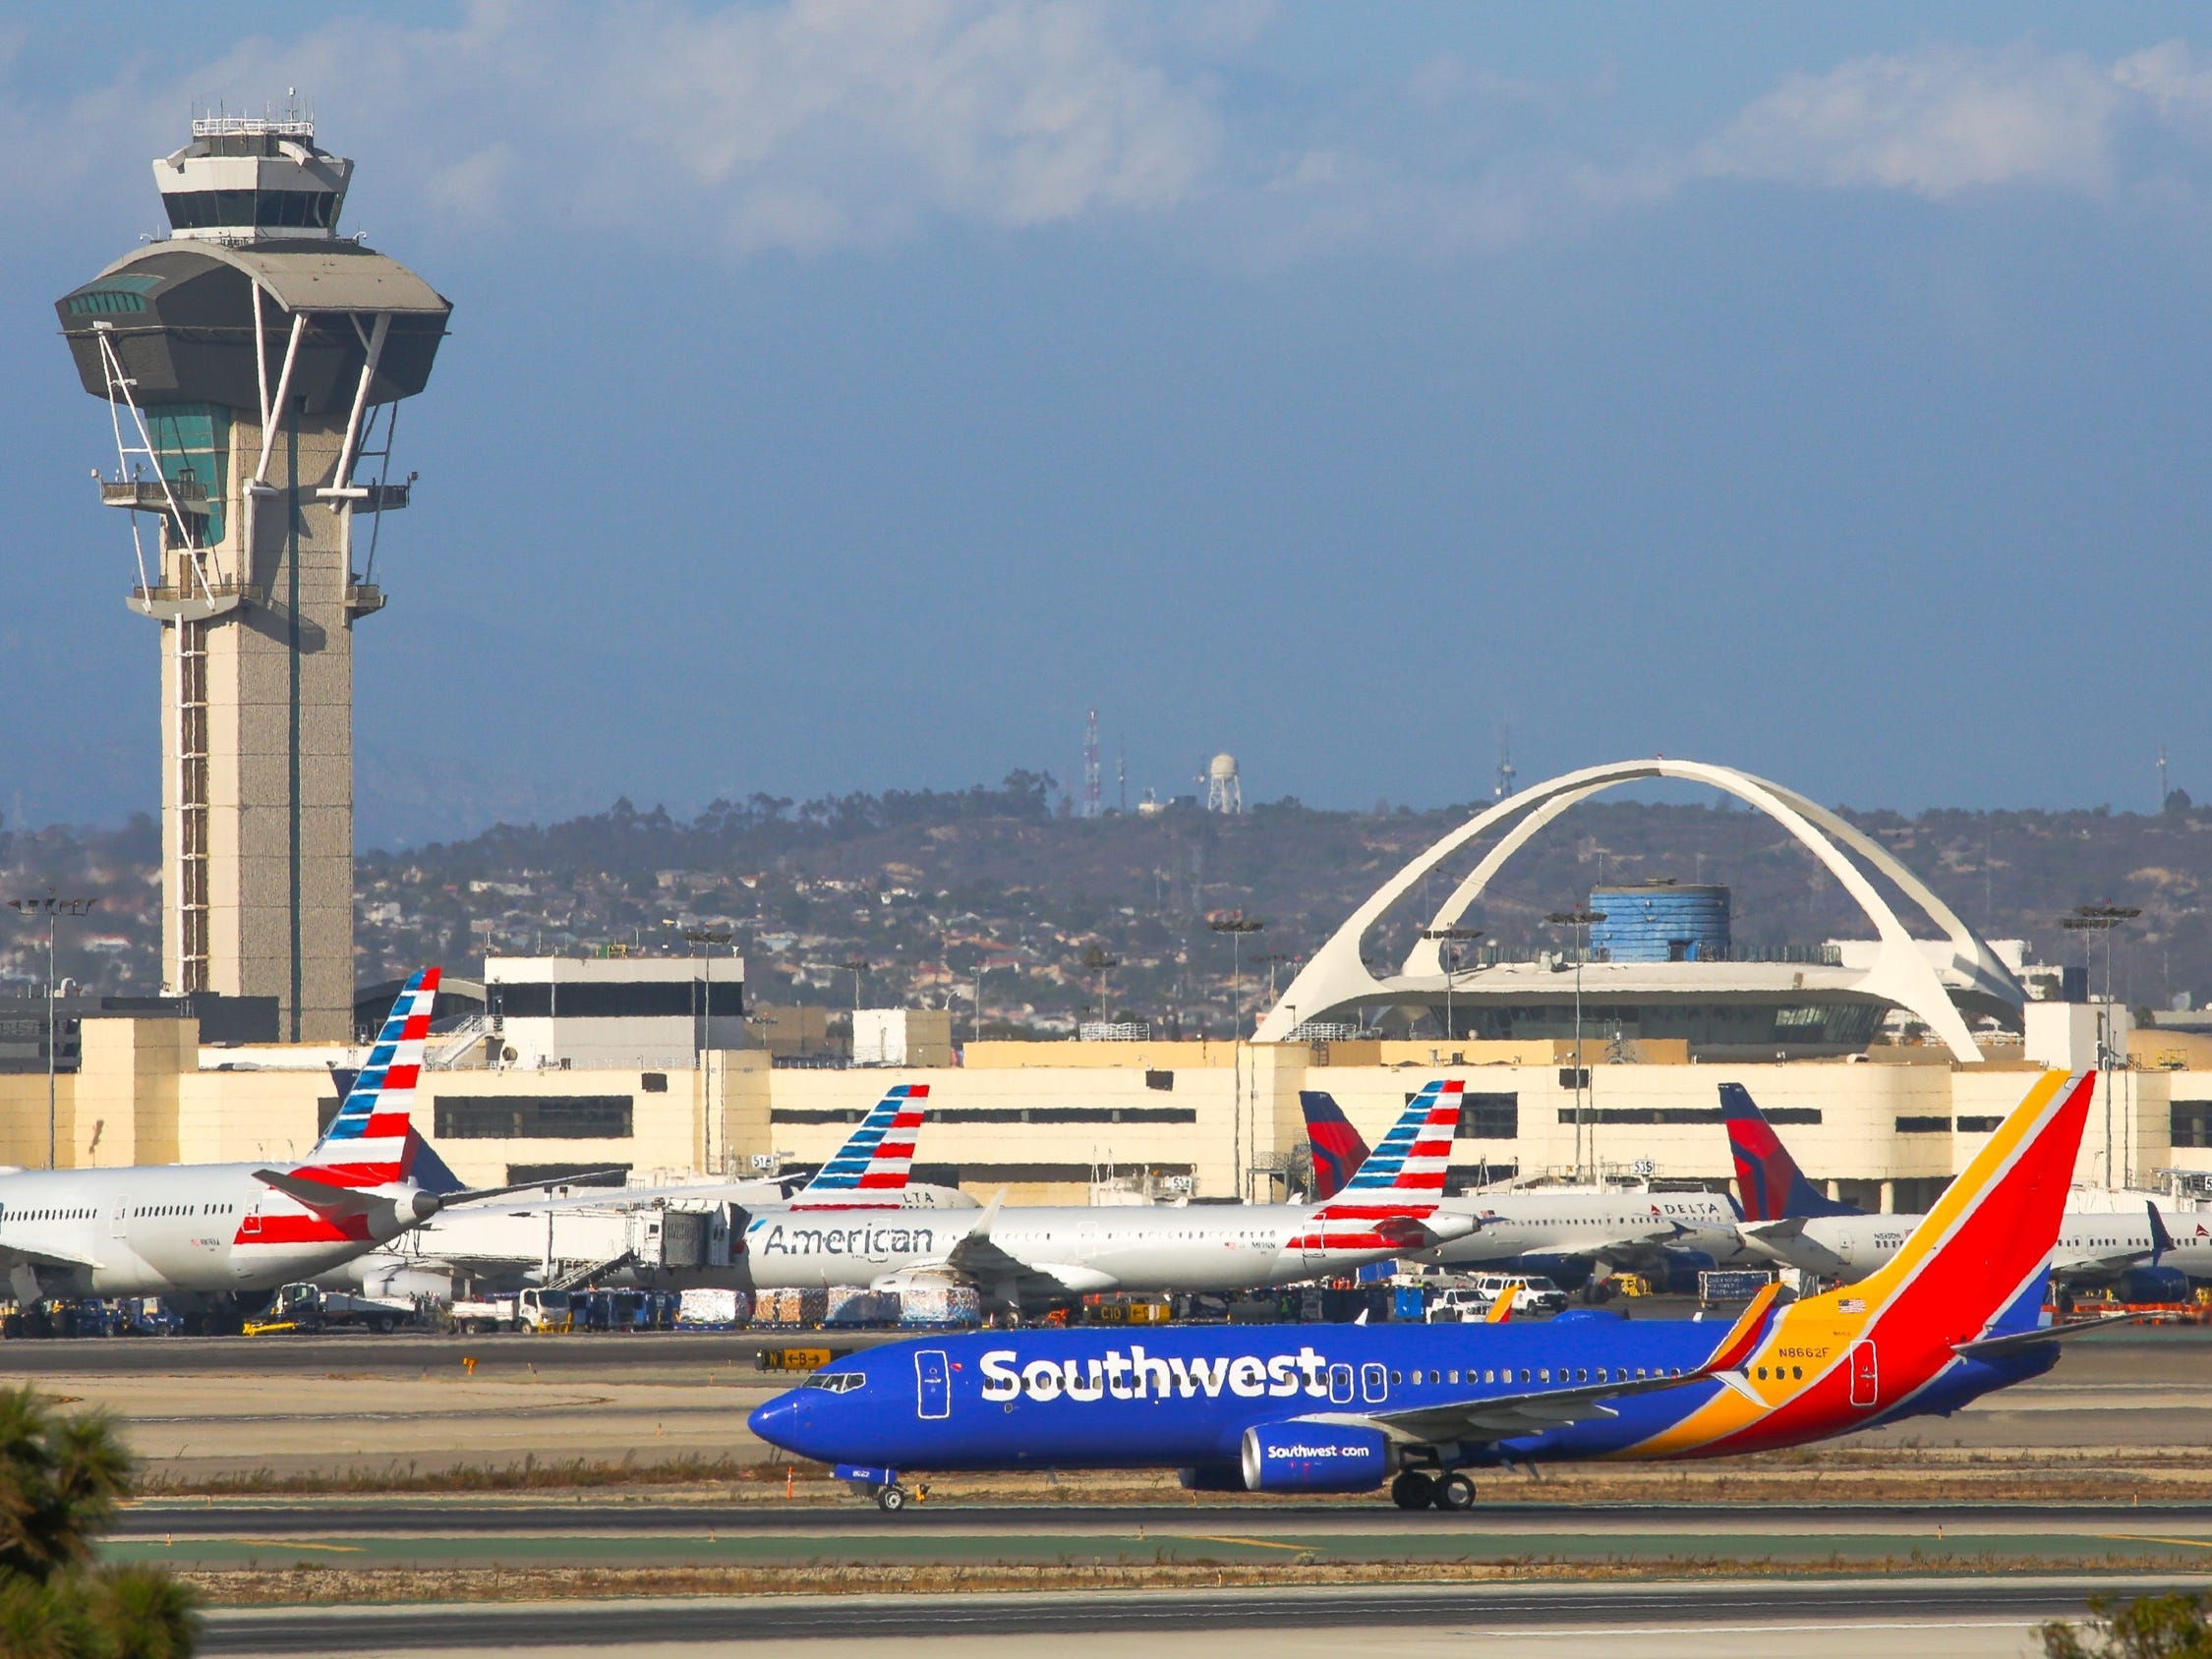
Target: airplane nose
point(782, 1422)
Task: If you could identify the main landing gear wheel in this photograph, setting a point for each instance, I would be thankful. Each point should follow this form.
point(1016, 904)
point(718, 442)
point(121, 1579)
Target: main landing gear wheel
point(891, 1499)
point(1413, 1490)
point(1455, 1492)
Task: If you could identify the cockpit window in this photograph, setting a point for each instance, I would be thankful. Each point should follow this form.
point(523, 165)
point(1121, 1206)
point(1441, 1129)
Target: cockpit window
point(836, 1382)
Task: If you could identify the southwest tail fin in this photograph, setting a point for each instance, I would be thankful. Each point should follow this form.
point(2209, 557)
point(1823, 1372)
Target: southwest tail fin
point(1977, 1264)
point(1768, 1182)
point(877, 1159)
point(372, 1140)
point(1338, 1148)
point(1412, 1160)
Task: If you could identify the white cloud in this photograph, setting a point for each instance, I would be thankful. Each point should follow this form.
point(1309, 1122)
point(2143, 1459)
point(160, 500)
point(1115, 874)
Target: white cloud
point(1950, 119)
point(806, 125)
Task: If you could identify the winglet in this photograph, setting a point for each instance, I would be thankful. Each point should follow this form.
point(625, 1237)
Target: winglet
point(1501, 1308)
point(2161, 1240)
point(980, 1228)
point(1744, 1336)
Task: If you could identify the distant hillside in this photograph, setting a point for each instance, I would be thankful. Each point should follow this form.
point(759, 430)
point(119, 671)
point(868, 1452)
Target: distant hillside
point(923, 886)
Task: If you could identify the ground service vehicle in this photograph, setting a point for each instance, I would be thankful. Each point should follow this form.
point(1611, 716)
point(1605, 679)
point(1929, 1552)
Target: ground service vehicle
point(1955, 1313)
point(309, 1307)
point(543, 1311)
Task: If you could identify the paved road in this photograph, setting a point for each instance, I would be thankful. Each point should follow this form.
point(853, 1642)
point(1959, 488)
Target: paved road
point(406, 1351)
point(557, 1518)
point(1529, 1608)
point(2120, 1354)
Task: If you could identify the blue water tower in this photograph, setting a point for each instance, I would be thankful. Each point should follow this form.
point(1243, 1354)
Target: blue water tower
point(1659, 922)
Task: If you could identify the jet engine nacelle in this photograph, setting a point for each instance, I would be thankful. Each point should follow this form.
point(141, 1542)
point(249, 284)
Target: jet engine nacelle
point(1314, 1458)
point(2154, 1284)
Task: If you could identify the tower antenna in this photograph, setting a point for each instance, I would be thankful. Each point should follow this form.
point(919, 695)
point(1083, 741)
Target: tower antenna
point(1090, 765)
point(1504, 784)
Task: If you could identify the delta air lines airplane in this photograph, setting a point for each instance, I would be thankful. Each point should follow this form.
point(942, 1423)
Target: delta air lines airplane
point(1956, 1312)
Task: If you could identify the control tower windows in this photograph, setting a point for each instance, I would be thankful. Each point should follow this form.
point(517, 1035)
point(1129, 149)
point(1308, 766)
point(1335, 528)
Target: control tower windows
point(251, 209)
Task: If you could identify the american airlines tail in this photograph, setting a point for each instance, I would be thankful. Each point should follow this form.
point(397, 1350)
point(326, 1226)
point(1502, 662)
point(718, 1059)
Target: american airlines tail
point(372, 1141)
point(873, 1166)
point(1768, 1184)
point(1390, 1201)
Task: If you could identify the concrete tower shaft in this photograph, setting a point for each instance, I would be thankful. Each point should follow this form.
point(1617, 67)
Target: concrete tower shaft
point(251, 364)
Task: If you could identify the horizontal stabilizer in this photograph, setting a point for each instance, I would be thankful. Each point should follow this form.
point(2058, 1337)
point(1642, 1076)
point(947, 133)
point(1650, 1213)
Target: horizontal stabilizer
point(2018, 1340)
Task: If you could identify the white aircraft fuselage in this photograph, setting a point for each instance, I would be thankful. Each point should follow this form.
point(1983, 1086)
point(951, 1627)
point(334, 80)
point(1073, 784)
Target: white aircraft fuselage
point(187, 1228)
point(2094, 1247)
point(1623, 1229)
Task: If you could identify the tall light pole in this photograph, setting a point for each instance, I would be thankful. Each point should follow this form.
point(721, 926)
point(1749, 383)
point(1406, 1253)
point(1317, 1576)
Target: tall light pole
point(1450, 937)
point(1236, 924)
point(1582, 919)
point(1100, 963)
point(708, 938)
point(2089, 920)
point(52, 907)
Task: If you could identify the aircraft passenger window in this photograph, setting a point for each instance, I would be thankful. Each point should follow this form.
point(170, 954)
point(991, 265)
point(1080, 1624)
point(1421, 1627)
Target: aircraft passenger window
point(1396, 1377)
point(1524, 1374)
point(1639, 1373)
point(1489, 1376)
point(1452, 1375)
point(1797, 1371)
point(1761, 1373)
point(1582, 1375)
point(1543, 1376)
point(1374, 1383)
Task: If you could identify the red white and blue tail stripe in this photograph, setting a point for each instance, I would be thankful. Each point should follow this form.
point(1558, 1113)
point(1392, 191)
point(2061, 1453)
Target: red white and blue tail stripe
point(1416, 1153)
point(369, 1143)
point(878, 1159)
point(1389, 1197)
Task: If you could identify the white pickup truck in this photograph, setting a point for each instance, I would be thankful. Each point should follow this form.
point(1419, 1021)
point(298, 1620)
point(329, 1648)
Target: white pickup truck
point(515, 1310)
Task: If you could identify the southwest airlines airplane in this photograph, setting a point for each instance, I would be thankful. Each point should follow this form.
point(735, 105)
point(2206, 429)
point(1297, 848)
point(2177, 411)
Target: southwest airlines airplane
point(1028, 1257)
point(192, 1232)
point(1788, 1220)
point(1670, 1235)
point(1956, 1312)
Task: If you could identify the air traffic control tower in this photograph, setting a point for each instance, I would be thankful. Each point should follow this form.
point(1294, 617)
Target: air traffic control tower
point(252, 362)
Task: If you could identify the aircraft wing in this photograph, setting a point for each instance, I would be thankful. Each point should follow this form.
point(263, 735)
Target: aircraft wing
point(15, 1253)
point(2018, 1340)
point(1505, 1416)
point(976, 1259)
point(2097, 1267)
point(1783, 1240)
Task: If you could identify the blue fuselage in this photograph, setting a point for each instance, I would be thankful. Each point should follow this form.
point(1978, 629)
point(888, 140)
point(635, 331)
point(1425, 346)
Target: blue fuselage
point(1184, 1398)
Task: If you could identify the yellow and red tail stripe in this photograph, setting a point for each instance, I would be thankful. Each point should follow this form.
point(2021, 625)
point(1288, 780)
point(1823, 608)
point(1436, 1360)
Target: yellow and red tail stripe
point(1829, 1362)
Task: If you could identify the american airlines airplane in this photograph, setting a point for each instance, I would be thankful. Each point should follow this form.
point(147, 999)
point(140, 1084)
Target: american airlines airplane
point(869, 1178)
point(1036, 1256)
point(1670, 1235)
point(207, 1235)
point(2145, 1255)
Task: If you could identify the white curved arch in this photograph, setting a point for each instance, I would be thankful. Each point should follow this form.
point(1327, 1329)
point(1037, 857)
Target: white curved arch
point(1901, 972)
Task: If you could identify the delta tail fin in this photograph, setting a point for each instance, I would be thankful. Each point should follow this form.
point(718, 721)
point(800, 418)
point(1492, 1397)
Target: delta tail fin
point(1338, 1148)
point(372, 1141)
point(1768, 1184)
point(877, 1159)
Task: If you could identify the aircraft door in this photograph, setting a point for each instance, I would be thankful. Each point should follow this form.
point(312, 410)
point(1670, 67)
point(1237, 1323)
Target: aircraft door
point(118, 1217)
point(1375, 1384)
point(1866, 1380)
point(1340, 1385)
point(933, 1384)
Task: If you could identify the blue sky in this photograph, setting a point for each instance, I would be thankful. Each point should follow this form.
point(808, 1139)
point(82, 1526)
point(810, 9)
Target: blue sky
point(846, 394)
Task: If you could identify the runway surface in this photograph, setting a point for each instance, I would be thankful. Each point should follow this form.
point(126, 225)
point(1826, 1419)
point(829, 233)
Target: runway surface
point(1626, 1618)
point(552, 1516)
